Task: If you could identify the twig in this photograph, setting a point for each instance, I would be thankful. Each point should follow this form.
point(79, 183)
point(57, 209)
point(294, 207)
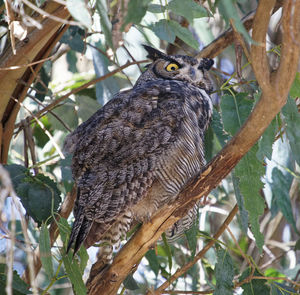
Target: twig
point(43, 128)
point(10, 19)
point(92, 82)
point(6, 183)
point(187, 266)
point(64, 212)
point(51, 16)
point(263, 113)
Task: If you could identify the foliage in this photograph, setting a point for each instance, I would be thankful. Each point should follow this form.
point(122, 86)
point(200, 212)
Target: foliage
point(264, 183)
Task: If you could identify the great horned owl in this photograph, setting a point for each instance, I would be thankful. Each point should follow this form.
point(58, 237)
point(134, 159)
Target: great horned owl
point(139, 150)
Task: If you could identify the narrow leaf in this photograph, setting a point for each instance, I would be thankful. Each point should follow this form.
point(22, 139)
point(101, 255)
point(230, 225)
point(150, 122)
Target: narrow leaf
point(235, 110)
point(229, 11)
point(168, 250)
point(249, 171)
point(136, 11)
point(79, 11)
point(184, 34)
point(243, 214)
point(163, 30)
point(217, 126)
point(191, 236)
point(18, 285)
point(254, 286)
point(45, 251)
point(130, 283)
point(106, 25)
point(86, 106)
point(280, 189)
point(188, 9)
point(292, 120)
point(266, 142)
point(153, 261)
point(224, 272)
point(74, 274)
point(295, 88)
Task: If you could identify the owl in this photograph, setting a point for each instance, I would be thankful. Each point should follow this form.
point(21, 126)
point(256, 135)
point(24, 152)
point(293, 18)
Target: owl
point(139, 151)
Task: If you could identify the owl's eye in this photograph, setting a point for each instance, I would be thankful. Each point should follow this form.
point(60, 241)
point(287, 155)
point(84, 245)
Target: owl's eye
point(172, 67)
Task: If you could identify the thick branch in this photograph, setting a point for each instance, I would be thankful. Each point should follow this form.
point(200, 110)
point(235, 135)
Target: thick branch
point(38, 45)
point(265, 110)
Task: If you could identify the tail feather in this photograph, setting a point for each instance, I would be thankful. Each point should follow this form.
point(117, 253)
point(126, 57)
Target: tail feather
point(80, 230)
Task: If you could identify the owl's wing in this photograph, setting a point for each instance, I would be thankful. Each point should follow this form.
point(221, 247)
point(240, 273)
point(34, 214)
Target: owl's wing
point(119, 150)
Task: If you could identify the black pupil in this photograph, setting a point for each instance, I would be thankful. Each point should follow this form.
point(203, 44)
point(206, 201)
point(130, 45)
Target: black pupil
point(173, 68)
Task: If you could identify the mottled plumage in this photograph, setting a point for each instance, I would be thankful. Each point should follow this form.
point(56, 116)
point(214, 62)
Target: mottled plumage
point(139, 150)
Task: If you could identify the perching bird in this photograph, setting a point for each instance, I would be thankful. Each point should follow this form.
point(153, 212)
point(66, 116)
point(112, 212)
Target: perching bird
point(138, 151)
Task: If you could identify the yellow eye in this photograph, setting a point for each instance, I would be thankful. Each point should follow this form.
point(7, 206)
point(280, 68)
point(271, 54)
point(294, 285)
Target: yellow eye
point(172, 67)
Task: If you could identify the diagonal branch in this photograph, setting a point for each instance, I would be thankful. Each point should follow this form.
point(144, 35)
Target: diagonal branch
point(265, 110)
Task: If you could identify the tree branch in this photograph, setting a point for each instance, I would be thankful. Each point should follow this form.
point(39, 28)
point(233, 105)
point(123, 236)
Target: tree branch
point(265, 110)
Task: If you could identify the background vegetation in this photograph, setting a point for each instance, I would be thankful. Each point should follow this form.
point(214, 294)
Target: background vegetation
point(62, 60)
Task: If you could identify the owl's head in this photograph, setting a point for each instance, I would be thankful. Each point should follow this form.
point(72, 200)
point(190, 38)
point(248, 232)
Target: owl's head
point(178, 67)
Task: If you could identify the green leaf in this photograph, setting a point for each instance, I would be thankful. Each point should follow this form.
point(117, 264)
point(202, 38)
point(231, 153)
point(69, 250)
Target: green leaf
point(243, 214)
point(281, 289)
point(106, 25)
point(184, 34)
point(17, 174)
point(249, 170)
point(266, 142)
point(224, 272)
point(45, 251)
point(18, 285)
point(153, 261)
point(168, 250)
point(297, 245)
point(79, 11)
point(64, 230)
point(39, 195)
point(86, 106)
point(188, 9)
point(130, 283)
point(254, 286)
point(163, 30)
point(156, 8)
point(217, 126)
point(280, 188)
point(74, 38)
point(84, 257)
point(74, 274)
point(136, 11)
point(292, 120)
point(191, 236)
point(68, 113)
point(235, 110)
point(229, 11)
point(295, 88)
point(66, 172)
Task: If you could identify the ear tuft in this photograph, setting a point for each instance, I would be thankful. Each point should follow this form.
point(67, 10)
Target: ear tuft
point(153, 53)
point(206, 63)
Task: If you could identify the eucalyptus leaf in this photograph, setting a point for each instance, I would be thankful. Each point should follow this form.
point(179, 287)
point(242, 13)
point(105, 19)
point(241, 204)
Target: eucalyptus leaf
point(188, 9)
point(224, 272)
point(106, 25)
point(45, 251)
point(184, 34)
point(254, 286)
point(135, 12)
point(292, 120)
point(79, 11)
point(250, 171)
point(163, 30)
